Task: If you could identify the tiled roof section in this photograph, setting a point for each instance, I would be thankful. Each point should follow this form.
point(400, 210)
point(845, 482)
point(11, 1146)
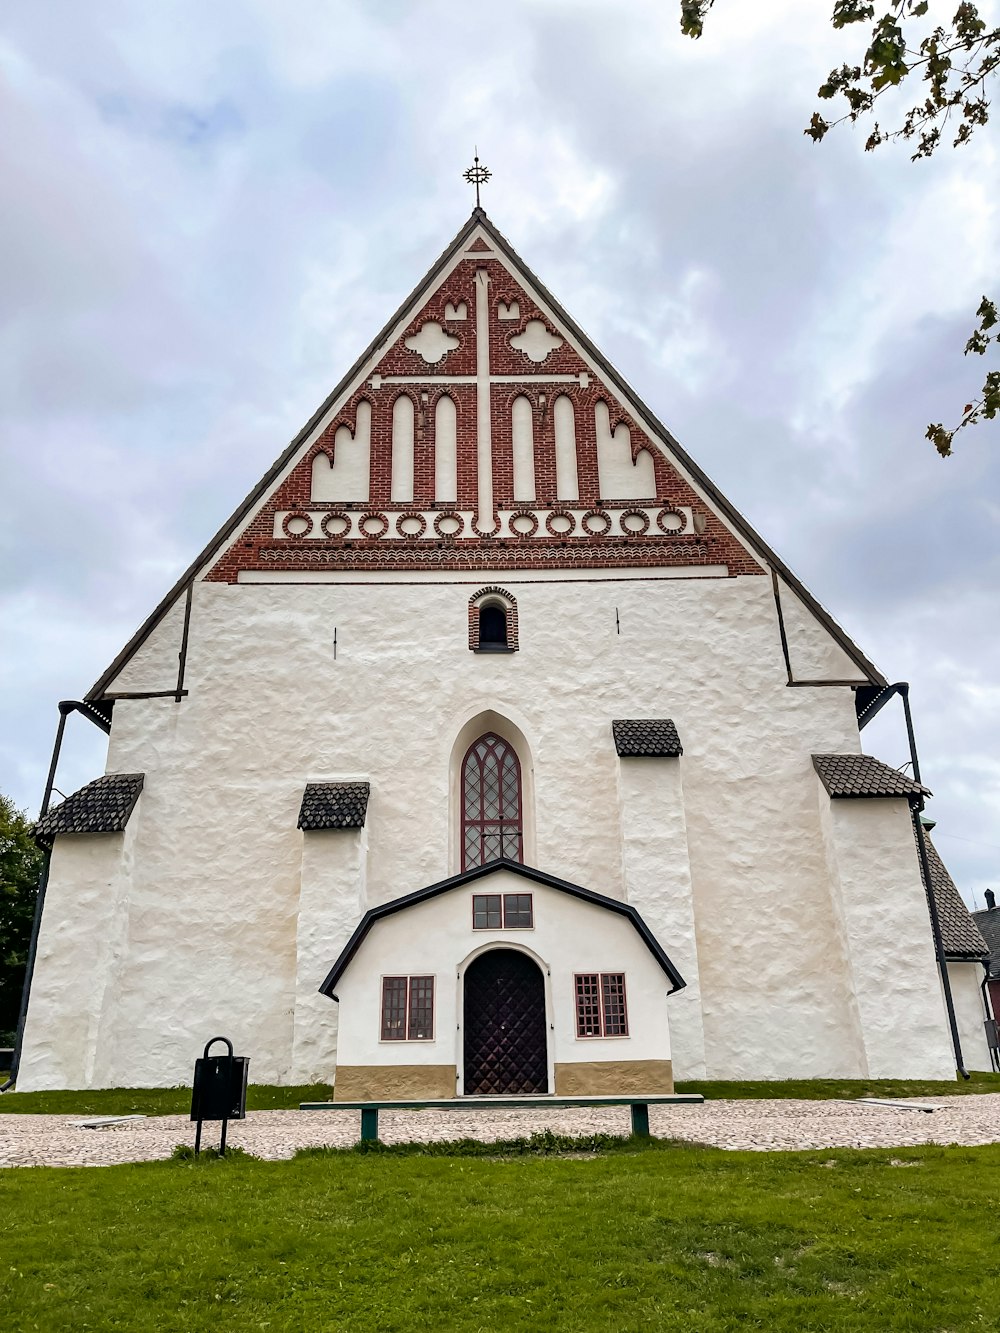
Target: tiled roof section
point(988, 923)
point(334, 805)
point(960, 935)
point(103, 806)
point(861, 775)
point(653, 736)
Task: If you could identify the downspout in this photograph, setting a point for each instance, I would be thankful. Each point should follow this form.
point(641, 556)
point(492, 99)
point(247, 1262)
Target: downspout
point(66, 707)
point(903, 690)
point(988, 1015)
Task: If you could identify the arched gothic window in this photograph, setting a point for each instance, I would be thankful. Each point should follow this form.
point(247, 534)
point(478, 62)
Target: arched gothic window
point(491, 803)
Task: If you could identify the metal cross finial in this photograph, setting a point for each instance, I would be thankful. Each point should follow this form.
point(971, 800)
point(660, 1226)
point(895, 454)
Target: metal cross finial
point(477, 175)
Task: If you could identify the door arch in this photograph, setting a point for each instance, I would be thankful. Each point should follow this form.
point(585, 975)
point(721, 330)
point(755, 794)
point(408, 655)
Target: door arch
point(504, 1026)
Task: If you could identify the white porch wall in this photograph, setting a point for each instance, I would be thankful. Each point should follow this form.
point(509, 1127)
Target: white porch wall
point(658, 884)
point(215, 899)
point(966, 980)
point(436, 938)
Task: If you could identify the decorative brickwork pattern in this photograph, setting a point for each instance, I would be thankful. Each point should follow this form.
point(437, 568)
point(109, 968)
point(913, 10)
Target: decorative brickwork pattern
point(510, 608)
point(327, 805)
point(267, 543)
point(102, 806)
point(653, 737)
point(861, 775)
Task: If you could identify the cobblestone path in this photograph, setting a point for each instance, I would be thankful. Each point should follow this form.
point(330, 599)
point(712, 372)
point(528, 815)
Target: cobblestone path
point(51, 1140)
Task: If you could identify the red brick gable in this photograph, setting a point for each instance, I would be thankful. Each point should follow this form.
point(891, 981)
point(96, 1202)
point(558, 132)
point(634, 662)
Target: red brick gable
point(435, 355)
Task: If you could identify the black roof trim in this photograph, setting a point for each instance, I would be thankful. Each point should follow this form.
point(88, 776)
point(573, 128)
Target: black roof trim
point(478, 218)
point(375, 914)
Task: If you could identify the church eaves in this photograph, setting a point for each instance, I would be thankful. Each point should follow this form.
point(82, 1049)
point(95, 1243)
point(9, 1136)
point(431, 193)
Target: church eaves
point(482, 430)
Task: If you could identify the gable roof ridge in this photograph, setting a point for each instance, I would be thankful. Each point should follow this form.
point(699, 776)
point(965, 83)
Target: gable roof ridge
point(479, 218)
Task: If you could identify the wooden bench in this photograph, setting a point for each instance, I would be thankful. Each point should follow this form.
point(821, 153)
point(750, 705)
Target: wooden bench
point(638, 1106)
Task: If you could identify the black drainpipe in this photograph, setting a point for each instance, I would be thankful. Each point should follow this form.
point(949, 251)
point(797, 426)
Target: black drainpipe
point(903, 690)
point(66, 707)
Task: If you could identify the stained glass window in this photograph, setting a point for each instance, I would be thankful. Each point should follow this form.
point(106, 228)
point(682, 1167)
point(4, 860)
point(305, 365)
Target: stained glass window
point(491, 803)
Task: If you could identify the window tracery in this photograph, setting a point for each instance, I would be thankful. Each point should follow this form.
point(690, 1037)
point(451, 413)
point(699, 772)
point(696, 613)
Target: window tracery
point(492, 826)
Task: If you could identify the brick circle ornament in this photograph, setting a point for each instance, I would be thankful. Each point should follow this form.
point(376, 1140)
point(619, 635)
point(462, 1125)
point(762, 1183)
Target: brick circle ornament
point(565, 521)
point(641, 526)
point(486, 532)
point(417, 524)
point(523, 523)
point(670, 520)
point(597, 522)
point(373, 517)
point(453, 521)
point(336, 524)
point(303, 520)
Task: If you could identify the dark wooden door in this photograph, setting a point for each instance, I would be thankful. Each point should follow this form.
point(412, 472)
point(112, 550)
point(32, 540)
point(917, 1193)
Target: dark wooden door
point(505, 1034)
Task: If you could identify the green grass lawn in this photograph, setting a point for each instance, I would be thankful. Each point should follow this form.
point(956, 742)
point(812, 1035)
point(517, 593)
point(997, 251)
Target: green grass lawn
point(262, 1097)
point(643, 1238)
point(152, 1101)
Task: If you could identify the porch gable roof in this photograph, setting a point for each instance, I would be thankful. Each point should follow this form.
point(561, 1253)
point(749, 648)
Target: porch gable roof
point(375, 914)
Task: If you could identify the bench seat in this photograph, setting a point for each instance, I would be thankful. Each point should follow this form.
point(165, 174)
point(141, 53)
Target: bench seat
point(638, 1105)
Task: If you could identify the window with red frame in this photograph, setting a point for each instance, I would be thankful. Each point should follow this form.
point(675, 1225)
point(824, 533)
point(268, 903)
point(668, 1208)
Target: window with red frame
point(491, 803)
point(502, 911)
point(600, 1004)
point(407, 1008)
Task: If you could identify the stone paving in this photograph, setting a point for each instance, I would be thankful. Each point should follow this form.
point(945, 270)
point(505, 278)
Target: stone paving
point(51, 1140)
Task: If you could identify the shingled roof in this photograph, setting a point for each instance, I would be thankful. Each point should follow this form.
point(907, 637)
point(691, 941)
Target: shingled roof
point(988, 923)
point(334, 805)
point(960, 935)
point(102, 806)
point(861, 775)
point(654, 737)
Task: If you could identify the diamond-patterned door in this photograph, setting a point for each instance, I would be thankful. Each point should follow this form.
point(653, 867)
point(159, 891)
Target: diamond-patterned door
point(505, 1034)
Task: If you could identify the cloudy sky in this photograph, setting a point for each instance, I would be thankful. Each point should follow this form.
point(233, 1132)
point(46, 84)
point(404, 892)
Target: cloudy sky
point(209, 210)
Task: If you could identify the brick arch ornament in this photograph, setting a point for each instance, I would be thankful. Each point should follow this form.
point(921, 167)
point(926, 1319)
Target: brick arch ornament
point(510, 608)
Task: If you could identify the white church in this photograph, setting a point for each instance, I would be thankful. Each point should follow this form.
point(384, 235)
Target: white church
point(487, 749)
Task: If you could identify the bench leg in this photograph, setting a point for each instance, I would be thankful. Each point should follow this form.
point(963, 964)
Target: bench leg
point(640, 1120)
point(369, 1124)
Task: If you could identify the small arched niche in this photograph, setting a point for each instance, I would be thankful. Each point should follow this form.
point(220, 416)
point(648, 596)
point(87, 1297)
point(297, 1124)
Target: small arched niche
point(490, 723)
point(492, 621)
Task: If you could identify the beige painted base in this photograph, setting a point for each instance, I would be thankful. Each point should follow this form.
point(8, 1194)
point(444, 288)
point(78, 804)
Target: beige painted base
point(608, 1078)
point(362, 1083)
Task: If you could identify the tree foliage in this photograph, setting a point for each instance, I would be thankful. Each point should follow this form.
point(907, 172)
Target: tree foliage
point(20, 867)
point(954, 61)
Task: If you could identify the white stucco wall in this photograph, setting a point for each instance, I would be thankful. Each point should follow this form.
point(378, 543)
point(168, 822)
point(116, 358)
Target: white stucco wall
point(78, 964)
point(966, 980)
point(331, 903)
point(886, 938)
point(436, 938)
point(214, 938)
point(658, 883)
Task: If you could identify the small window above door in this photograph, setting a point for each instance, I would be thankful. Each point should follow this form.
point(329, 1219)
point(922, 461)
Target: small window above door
point(502, 911)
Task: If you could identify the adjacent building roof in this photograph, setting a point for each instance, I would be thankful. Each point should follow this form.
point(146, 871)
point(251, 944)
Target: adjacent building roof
point(960, 934)
point(651, 736)
point(334, 805)
point(102, 806)
point(861, 775)
point(988, 924)
point(615, 905)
